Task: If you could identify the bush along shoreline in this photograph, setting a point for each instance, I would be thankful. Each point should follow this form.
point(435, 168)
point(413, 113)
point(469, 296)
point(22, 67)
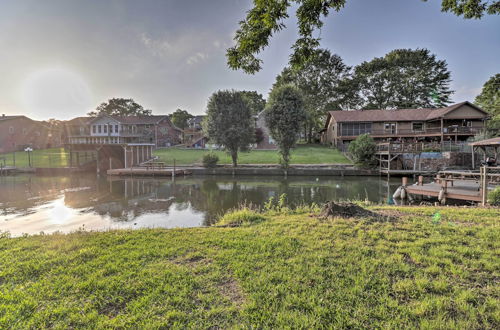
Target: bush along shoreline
point(344, 265)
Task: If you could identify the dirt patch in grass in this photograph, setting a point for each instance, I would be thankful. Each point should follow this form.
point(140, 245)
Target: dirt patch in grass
point(349, 210)
point(231, 289)
point(192, 261)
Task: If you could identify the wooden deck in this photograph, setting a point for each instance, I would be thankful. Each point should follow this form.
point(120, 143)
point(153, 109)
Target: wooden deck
point(143, 171)
point(461, 190)
point(460, 185)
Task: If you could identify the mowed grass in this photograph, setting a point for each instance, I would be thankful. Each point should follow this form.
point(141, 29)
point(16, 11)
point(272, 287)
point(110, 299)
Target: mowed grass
point(300, 155)
point(52, 157)
point(287, 270)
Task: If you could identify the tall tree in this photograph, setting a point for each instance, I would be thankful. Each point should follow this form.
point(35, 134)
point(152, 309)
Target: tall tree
point(266, 18)
point(180, 118)
point(120, 107)
point(322, 82)
point(404, 78)
point(229, 122)
point(489, 100)
point(285, 115)
point(255, 101)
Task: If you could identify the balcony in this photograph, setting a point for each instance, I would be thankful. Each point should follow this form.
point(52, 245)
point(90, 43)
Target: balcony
point(120, 133)
point(432, 131)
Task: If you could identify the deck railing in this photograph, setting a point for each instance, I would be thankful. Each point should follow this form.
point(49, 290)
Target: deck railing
point(413, 147)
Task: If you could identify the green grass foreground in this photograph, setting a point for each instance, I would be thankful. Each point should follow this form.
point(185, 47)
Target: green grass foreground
point(53, 157)
point(315, 154)
point(286, 271)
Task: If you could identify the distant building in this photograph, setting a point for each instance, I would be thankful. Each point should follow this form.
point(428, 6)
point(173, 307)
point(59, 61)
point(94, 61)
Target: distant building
point(267, 141)
point(117, 141)
point(19, 132)
point(193, 135)
point(457, 122)
point(156, 130)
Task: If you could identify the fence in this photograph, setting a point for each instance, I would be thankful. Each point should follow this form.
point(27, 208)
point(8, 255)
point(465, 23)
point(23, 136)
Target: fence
point(36, 158)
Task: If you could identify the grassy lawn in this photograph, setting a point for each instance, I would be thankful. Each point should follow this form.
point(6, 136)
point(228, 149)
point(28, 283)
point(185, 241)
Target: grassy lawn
point(300, 155)
point(53, 157)
point(287, 271)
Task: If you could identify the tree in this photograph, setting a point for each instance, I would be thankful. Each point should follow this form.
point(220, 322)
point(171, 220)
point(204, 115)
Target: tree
point(489, 100)
point(255, 101)
point(363, 149)
point(284, 116)
point(322, 83)
point(229, 122)
point(120, 107)
point(266, 18)
point(404, 78)
point(180, 118)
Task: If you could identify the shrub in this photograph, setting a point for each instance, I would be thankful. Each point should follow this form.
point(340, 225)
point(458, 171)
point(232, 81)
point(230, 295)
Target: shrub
point(494, 197)
point(363, 149)
point(210, 160)
point(239, 217)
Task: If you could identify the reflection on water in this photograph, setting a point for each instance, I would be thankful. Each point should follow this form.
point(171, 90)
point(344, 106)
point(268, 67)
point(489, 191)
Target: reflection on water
point(33, 204)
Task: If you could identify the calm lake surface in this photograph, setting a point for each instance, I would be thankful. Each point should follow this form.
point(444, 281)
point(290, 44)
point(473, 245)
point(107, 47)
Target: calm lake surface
point(33, 204)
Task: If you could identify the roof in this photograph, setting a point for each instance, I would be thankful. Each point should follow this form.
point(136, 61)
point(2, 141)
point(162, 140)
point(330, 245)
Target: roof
point(78, 121)
point(153, 119)
point(421, 114)
point(495, 142)
point(4, 117)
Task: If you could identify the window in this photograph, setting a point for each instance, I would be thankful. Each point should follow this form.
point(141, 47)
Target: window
point(25, 131)
point(116, 128)
point(98, 128)
point(417, 127)
point(94, 130)
point(105, 128)
point(11, 130)
point(354, 129)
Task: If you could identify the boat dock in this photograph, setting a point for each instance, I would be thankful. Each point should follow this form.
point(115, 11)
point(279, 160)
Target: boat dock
point(470, 186)
point(143, 171)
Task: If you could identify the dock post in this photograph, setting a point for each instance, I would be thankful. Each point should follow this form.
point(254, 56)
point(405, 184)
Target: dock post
point(173, 172)
point(420, 180)
point(484, 185)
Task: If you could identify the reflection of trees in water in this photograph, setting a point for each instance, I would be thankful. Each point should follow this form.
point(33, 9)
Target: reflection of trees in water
point(124, 199)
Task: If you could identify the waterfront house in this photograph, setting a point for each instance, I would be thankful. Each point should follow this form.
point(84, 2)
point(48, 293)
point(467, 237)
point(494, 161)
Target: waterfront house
point(156, 130)
point(19, 132)
point(119, 141)
point(455, 123)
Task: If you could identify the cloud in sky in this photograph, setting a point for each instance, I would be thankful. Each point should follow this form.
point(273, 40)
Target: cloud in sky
point(169, 54)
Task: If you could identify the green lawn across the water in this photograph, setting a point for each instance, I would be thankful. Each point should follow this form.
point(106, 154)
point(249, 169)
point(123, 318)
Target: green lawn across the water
point(53, 157)
point(300, 155)
point(287, 270)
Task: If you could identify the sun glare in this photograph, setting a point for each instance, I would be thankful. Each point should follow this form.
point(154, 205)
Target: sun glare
point(56, 92)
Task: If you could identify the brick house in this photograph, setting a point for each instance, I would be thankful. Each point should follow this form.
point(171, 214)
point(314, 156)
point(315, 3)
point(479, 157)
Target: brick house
point(455, 123)
point(18, 132)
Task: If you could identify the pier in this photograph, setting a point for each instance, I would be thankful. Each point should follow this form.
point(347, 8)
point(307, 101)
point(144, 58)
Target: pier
point(472, 186)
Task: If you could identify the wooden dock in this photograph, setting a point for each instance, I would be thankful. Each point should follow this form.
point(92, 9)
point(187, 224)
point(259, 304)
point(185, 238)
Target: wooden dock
point(6, 170)
point(143, 171)
point(459, 185)
point(461, 190)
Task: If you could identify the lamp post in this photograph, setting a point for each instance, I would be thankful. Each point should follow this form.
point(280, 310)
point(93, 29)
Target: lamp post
point(29, 150)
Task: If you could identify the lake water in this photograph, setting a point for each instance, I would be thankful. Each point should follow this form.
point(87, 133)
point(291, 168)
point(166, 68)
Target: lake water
point(33, 204)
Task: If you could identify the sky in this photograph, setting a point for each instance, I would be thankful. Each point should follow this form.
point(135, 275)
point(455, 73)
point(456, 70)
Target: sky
point(62, 58)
